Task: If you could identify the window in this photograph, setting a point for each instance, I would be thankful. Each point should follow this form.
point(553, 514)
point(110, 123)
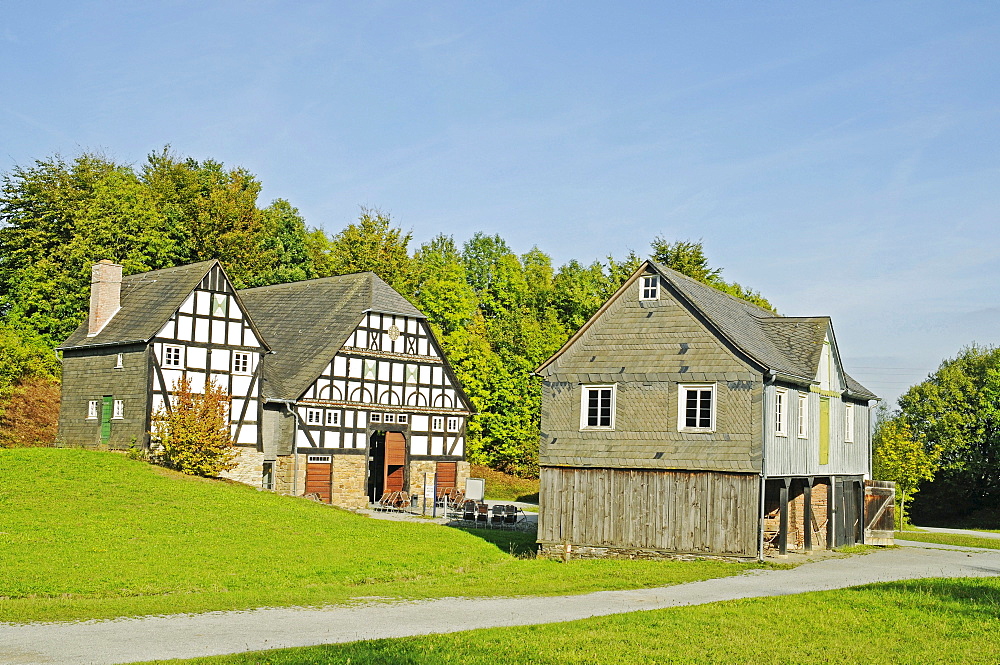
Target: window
point(597, 410)
point(803, 416)
point(173, 356)
point(241, 363)
point(389, 418)
point(437, 424)
point(696, 407)
point(93, 407)
point(120, 361)
point(375, 418)
point(332, 417)
point(649, 288)
point(119, 410)
point(781, 412)
point(267, 476)
point(849, 423)
point(402, 419)
point(318, 459)
point(453, 424)
point(314, 416)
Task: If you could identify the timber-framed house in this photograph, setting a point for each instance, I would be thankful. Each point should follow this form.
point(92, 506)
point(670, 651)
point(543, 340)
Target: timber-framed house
point(679, 419)
point(348, 397)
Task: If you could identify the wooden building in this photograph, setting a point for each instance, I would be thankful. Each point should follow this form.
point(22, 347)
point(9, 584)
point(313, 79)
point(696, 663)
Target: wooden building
point(679, 419)
point(338, 385)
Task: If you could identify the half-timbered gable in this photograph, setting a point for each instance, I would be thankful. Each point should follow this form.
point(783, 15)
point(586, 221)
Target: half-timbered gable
point(160, 326)
point(688, 410)
point(373, 386)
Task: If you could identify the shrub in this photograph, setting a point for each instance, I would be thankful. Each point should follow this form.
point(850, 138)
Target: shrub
point(194, 431)
point(30, 414)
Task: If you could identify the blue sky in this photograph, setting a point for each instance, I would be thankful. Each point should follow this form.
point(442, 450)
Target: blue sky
point(842, 158)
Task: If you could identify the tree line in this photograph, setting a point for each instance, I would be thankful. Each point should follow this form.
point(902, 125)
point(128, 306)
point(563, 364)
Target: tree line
point(497, 313)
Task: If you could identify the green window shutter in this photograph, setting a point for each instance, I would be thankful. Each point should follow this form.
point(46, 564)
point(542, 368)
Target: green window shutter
point(824, 430)
point(106, 419)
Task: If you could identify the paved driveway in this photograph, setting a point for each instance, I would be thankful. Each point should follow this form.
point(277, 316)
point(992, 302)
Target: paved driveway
point(187, 636)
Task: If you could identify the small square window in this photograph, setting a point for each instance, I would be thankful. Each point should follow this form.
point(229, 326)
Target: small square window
point(314, 416)
point(93, 408)
point(696, 407)
point(173, 356)
point(402, 419)
point(453, 424)
point(597, 408)
point(241, 363)
point(119, 410)
point(375, 418)
point(437, 424)
point(389, 418)
point(332, 417)
point(649, 288)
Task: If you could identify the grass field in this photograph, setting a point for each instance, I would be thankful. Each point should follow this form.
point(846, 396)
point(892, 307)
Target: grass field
point(504, 487)
point(950, 539)
point(92, 535)
point(921, 621)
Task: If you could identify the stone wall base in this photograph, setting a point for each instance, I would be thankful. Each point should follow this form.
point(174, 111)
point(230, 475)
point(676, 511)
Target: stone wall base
point(561, 552)
point(249, 468)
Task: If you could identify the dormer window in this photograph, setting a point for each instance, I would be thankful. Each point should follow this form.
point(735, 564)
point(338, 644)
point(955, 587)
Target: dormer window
point(649, 288)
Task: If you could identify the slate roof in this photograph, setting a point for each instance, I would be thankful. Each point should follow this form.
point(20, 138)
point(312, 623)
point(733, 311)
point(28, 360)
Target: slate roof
point(307, 322)
point(788, 346)
point(148, 300)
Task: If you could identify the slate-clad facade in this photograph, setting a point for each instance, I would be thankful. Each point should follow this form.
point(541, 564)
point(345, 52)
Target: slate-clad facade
point(671, 417)
point(338, 386)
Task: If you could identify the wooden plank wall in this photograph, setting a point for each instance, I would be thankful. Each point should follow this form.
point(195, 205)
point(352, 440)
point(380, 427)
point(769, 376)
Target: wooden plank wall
point(676, 511)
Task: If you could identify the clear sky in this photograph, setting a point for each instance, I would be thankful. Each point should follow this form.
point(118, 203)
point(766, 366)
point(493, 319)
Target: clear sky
point(841, 158)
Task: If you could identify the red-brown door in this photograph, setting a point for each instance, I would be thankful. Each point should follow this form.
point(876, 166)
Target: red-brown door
point(319, 478)
point(447, 475)
point(395, 461)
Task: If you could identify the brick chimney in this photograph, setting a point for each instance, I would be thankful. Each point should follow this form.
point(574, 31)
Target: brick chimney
point(105, 294)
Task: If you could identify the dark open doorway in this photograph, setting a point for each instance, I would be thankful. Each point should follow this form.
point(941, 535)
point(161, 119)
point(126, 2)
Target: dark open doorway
point(386, 463)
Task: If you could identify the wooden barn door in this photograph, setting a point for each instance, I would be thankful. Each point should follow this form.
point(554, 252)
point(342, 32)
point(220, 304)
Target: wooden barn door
point(395, 461)
point(319, 478)
point(447, 475)
point(880, 512)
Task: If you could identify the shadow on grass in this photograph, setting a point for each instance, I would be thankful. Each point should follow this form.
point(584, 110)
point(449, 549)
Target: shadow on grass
point(528, 498)
point(516, 543)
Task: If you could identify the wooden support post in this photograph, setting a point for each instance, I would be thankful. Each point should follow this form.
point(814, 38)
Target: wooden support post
point(807, 537)
point(783, 512)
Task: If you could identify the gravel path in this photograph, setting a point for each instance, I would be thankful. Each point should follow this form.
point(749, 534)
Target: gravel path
point(187, 636)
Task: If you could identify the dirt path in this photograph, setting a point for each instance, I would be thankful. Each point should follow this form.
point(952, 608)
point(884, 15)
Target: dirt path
point(187, 636)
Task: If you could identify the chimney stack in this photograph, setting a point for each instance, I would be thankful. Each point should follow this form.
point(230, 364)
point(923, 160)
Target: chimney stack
point(105, 294)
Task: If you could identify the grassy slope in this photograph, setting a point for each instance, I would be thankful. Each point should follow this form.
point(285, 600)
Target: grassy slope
point(922, 621)
point(505, 487)
point(950, 539)
point(91, 535)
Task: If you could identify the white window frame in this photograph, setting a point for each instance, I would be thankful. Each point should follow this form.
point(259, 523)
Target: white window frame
point(375, 418)
point(169, 361)
point(849, 423)
point(389, 418)
point(318, 459)
point(437, 423)
point(118, 410)
point(93, 409)
point(314, 416)
point(780, 412)
point(803, 416)
point(402, 419)
point(241, 363)
point(452, 424)
point(332, 417)
point(682, 394)
point(649, 287)
point(585, 422)
point(120, 361)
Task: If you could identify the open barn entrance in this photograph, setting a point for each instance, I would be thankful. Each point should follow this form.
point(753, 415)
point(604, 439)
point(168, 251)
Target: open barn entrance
point(386, 464)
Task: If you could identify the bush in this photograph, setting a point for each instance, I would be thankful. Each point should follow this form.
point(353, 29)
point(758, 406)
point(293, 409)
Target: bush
point(194, 432)
point(30, 415)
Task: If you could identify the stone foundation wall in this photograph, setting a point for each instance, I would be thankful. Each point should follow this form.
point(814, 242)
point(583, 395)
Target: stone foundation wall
point(290, 475)
point(249, 468)
point(349, 490)
point(562, 552)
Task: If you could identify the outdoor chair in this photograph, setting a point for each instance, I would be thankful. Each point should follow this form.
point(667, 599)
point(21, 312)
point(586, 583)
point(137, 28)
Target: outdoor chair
point(512, 515)
point(482, 514)
point(469, 511)
point(403, 501)
point(387, 502)
point(497, 518)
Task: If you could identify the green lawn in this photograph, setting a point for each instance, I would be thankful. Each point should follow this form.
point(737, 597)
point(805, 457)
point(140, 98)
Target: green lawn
point(950, 539)
point(921, 621)
point(92, 535)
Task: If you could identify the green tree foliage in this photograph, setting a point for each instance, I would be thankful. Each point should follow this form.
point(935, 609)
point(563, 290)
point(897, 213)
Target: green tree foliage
point(29, 372)
point(956, 412)
point(688, 257)
point(194, 432)
point(372, 243)
point(898, 455)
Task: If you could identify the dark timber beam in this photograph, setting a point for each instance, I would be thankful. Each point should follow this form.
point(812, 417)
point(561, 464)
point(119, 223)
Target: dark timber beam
point(807, 537)
point(783, 528)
